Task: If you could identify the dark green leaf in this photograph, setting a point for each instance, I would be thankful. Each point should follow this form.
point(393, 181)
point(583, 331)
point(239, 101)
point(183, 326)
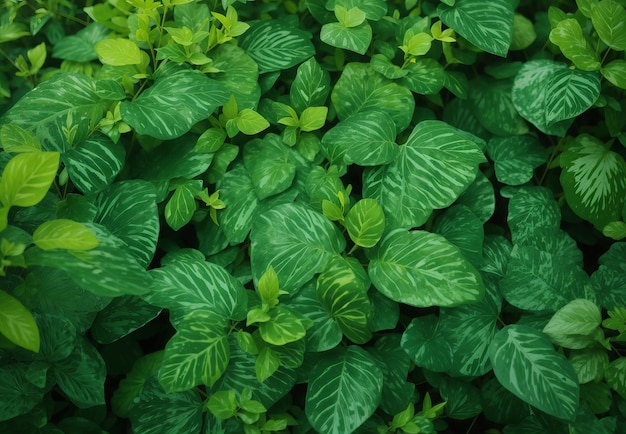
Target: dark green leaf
point(424, 342)
point(17, 394)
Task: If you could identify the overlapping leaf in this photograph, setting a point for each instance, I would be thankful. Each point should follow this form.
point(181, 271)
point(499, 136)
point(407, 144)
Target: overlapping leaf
point(516, 157)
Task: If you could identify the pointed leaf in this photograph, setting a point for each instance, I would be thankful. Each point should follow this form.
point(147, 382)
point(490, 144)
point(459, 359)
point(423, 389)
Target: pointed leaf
point(425, 76)
point(526, 364)
point(17, 394)
point(493, 106)
point(578, 317)
point(365, 222)
point(568, 35)
point(344, 392)
point(353, 38)
point(569, 93)
point(270, 165)
point(422, 269)
point(608, 18)
point(64, 234)
point(311, 86)
point(424, 342)
point(516, 158)
point(17, 323)
point(27, 178)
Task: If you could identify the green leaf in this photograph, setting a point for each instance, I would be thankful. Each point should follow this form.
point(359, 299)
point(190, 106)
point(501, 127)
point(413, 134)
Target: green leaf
point(121, 317)
point(250, 122)
point(81, 376)
point(275, 46)
point(282, 328)
point(374, 9)
point(568, 36)
point(223, 404)
point(270, 164)
point(313, 118)
point(311, 86)
point(530, 95)
point(461, 397)
point(532, 210)
point(80, 47)
point(424, 342)
point(118, 52)
point(197, 354)
point(523, 33)
point(182, 205)
point(578, 317)
point(239, 74)
point(365, 222)
point(425, 76)
point(460, 226)
point(94, 163)
point(17, 323)
point(343, 293)
point(186, 286)
point(266, 364)
point(492, 104)
point(367, 139)
point(361, 89)
point(46, 108)
point(17, 395)
point(128, 209)
point(16, 139)
point(593, 180)
point(349, 17)
point(413, 185)
point(526, 364)
point(615, 73)
point(608, 18)
point(569, 93)
point(27, 178)
point(173, 104)
point(500, 405)
point(616, 376)
point(177, 159)
point(479, 197)
point(241, 202)
point(296, 241)
point(353, 38)
point(383, 65)
point(158, 412)
point(589, 364)
point(422, 269)
point(64, 234)
point(516, 158)
point(344, 392)
point(486, 24)
point(598, 396)
point(132, 385)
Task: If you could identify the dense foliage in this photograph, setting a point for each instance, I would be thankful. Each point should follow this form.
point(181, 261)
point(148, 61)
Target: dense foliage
point(325, 216)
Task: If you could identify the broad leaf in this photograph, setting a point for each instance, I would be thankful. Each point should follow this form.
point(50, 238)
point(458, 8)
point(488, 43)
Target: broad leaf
point(282, 328)
point(186, 286)
point(238, 193)
point(568, 36)
point(238, 73)
point(17, 323)
point(118, 52)
point(361, 89)
point(526, 364)
point(64, 234)
point(173, 104)
point(80, 46)
point(130, 388)
point(501, 406)
point(593, 180)
point(423, 269)
point(270, 164)
point(275, 46)
point(121, 317)
point(344, 392)
point(365, 222)
point(367, 139)
point(128, 209)
point(311, 86)
point(460, 226)
point(425, 76)
point(27, 178)
point(295, 241)
point(374, 9)
point(590, 364)
point(182, 205)
point(532, 210)
point(608, 18)
point(578, 317)
point(616, 376)
point(569, 93)
point(462, 398)
point(516, 158)
point(493, 106)
point(355, 38)
point(197, 354)
point(433, 168)
point(486, 24)
point(94, 163)
point(17, 394)
point(427, 346)
point(615, 73)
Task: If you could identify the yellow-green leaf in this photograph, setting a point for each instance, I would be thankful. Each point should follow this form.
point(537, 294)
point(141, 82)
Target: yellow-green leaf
point(64, 234)
point(27, 178)
point(17, 323)
point(118, 52)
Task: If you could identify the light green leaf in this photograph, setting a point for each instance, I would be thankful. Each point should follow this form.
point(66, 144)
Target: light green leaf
point(526, 364)
point(27, 178)
point(311, 86)
point(351, 38)
point(182, 205)
point(413, 185)
point(344, 391)
point(270, 164)
point(349, 17)
point(343, 293)
point(197, 354)
point(128, 209)
point(615, 73)
point(18, 394)
point(223, 404)
point(589, 364)
point(569, 93)
point(313, 118)
point(282, 328)
point(425, 76)
point(186, 286)
point(173, 104)
point(523, 33)
point(94, 163)
point(118, 52)
point(365, 222)
point(492, 104)
point(361, 89)
point(158, 412)
point(616, 376)
point(374, 9)
point(424, 342)
point(422, 269)
point(615, 230)
point(296, 241)
point(275, 46)
point(16, 139)
point(486, 24)
point(516, 158)
point(568, 36)
point(578, 317)
point(593, 180)
point(81, 376)
point(64, 234)
point(250, 122)
point(17, 323)
point(609, 20)
point(367, 139)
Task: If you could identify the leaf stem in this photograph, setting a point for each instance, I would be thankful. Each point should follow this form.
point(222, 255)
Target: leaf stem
point(549, 162)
